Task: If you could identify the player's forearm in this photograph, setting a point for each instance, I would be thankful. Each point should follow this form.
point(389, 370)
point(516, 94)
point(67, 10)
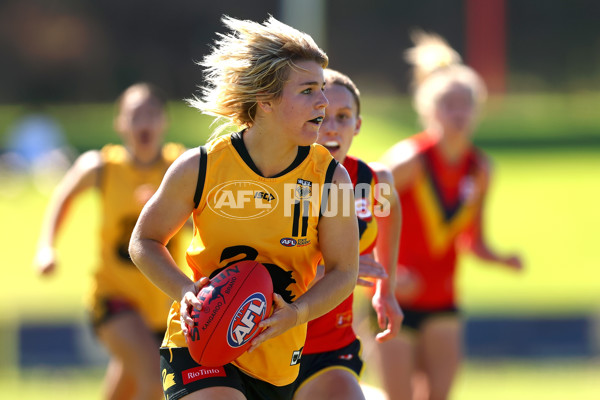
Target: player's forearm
point(156, 263)
point(386, 250)
point(335, 286)
point(53, 220)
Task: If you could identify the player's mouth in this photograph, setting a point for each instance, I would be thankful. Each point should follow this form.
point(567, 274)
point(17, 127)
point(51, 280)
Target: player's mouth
point(316, 121)
point(331, 145)
point(144, 137)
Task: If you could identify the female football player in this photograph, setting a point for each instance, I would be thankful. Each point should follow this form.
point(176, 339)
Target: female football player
point(267, 79)
point(331, 361)
point(442, 180)
point(128, 312)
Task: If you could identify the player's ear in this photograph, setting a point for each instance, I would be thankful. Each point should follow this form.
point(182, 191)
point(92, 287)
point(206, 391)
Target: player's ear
point(358, 125)
point(264, 102)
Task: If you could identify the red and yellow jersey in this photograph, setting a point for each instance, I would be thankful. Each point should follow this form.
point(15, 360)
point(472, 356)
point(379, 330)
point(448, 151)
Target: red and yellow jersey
point(124, 189)
point(439, 204)
point(242, 215)
point(333, 330)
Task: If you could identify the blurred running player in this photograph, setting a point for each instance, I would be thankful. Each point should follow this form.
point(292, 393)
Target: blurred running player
point(331, 361)
point(128, 312)
point(442, 180)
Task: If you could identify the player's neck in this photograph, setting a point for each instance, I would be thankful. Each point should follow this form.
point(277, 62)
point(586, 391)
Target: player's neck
point(144, 161)
point(270, 153)
point(453, 149)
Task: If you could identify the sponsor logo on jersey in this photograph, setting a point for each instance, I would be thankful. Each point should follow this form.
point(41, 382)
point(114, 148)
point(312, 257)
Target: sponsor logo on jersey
point(197, 373)
point(296, 356)
point(346, 357)
point(244, 324)
point(242, 199)
point(168, 380)
point(303, 189)
point(467, 189)
point(343, 319)
point(288, 242)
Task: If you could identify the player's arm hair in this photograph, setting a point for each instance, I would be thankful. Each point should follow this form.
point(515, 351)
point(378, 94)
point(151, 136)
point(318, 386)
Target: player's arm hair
point(338, 239)
point(161, 218)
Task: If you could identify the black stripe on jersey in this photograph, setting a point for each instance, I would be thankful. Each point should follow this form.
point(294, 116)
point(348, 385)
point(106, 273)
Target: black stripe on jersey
point(201, 176)
point(296, 218)
point(305, 211)
point(328, 179)
point(238, 143)
point(364, 173)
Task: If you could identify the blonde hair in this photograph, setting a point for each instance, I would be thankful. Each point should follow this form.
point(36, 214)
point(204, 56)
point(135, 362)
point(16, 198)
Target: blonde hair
point(436, 68)
point(251, 62)
point(333, 77)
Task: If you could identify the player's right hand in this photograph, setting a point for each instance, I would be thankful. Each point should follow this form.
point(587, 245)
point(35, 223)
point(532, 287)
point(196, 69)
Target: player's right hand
point(44, 262)
point(190, 300)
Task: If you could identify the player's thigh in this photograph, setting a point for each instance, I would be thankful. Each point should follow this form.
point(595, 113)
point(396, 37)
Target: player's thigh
point(396, 361)
point(331, 384)
point(215, 393)
point(440, 352)
point(128, 338)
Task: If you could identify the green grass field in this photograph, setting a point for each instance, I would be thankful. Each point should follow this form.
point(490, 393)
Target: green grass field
point(543, 204)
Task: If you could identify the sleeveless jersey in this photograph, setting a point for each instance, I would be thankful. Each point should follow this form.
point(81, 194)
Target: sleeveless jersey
point(333, 330)
point(124, 189)
point(439, 204)
point(242, 215)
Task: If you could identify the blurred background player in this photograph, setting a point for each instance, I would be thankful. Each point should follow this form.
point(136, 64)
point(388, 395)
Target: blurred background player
point(267, 79)
point(331, 361)
point(442, 180)
point(128, 312)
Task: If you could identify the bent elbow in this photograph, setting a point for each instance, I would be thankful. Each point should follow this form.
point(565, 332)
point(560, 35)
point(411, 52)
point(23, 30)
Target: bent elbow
point(134, 249)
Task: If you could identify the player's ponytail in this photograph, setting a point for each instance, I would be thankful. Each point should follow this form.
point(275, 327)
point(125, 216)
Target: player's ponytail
point(436, 66)
point(430, 53)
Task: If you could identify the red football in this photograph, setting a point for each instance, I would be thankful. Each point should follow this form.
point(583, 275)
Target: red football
point(233, 303)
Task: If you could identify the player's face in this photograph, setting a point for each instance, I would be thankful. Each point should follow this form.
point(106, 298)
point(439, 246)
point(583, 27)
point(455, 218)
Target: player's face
point(341, 121)
point(456, 111)
point(300, 109)
point(142, 123)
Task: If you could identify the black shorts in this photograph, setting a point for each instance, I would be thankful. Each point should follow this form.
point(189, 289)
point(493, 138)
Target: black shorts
point(347, 358)
point(181, 376)
point(414, 319)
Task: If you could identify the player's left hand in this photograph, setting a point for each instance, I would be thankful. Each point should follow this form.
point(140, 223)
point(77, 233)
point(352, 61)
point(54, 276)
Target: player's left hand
point(514, 262)
point(389, 315)
point(284, 317)
point(369, 268)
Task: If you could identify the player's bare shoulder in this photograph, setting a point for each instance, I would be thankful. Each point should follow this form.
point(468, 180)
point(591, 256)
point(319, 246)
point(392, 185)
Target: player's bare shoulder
point(182, 176)
point(402, 161)
point(382, 172)
point(85, 171)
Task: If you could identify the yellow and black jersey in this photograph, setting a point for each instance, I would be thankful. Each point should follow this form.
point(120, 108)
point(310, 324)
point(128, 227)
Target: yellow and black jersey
point(124, 189)
point(242, 215)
